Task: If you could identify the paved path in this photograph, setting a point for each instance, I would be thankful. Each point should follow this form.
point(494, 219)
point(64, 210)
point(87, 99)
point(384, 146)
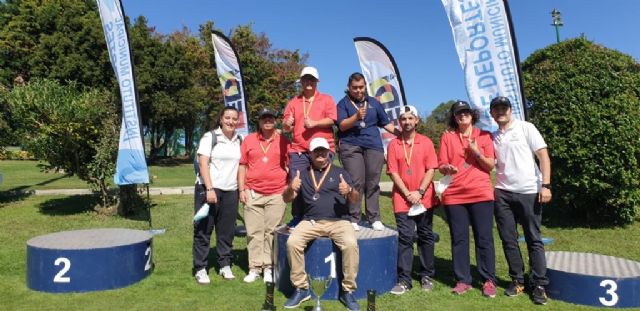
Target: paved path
point(385, 188)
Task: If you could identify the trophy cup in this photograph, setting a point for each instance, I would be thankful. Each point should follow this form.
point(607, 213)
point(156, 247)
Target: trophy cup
point(319, 285)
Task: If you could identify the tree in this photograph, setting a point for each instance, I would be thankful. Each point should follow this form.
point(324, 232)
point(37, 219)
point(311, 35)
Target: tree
point(57, 39)
point(436, 123)
point(71, 128)
point(586, 100)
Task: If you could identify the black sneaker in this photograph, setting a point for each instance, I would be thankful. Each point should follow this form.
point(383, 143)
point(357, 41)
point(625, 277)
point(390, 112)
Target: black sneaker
point(426, 283)
point(349, 301)
point(299, 296)
point(539, 295)
point(515, 288)
point(400, 288)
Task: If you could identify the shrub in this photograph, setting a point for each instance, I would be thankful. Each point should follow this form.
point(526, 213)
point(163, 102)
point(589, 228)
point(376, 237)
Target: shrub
point(586, 100)
point(70, 128)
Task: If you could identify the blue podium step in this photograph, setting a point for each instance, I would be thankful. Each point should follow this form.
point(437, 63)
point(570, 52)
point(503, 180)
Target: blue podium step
point(377, 267)
point(593, 279)
point(88, 260)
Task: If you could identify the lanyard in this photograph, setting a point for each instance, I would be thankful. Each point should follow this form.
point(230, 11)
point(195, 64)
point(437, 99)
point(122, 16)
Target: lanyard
point(407, 158)
point(317, 185)
point(306, 111)
point(265, 150)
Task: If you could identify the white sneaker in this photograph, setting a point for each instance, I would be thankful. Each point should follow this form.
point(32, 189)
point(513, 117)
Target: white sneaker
point(202, 277)
point(355, 226)
point(251, 277)
point(267, 275)
point(377, 225)
point(226, 273)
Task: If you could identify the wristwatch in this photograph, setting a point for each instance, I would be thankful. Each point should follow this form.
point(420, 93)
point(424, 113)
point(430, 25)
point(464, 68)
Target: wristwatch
point(548, 186)
point(421, 191)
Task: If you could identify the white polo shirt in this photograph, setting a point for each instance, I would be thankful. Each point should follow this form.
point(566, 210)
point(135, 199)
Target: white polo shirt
point(225, 160)
point(516, 169)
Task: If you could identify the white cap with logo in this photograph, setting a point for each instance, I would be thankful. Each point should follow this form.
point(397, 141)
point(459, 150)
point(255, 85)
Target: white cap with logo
point(409, 109)
point(318, 142)
point(310, 71)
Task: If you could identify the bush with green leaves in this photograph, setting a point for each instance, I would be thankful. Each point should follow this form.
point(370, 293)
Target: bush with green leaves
point(586, 105)
point(69, 127)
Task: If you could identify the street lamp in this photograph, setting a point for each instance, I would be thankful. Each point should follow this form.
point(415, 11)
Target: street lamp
point(557, 22)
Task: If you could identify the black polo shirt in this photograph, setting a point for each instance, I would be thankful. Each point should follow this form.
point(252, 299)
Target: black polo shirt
point(330, 205)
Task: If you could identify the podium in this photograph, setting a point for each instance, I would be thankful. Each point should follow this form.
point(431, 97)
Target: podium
point(377, 267)
point(593, 279)
point(88, 260)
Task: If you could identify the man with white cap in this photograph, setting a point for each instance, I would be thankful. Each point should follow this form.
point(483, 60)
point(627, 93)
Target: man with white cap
point(411, 163)
point(307, 116)
point(326, 191)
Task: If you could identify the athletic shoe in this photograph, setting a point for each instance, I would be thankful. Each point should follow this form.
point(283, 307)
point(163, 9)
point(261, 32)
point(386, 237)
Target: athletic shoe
point(252, 276)
point(202, 277)
point(539, 296)
point(515, 288)
point(267, 275)
point(461, 288)
point(349, 301)
point(355, 226)
point(226, 273)
point(399, 289)
point(377, 225)
point(299, 296)
point(489, 289)
point(426, 283)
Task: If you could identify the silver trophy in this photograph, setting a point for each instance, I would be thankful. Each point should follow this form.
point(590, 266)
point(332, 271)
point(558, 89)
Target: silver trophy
point(319, 285)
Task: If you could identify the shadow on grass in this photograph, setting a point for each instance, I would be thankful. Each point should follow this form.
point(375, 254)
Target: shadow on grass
point(76, 204)
point(240, 258)
point(69, 205)
point(171, 161)
point(22, 192)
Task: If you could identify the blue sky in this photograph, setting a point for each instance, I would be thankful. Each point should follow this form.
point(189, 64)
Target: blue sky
point(416, 32)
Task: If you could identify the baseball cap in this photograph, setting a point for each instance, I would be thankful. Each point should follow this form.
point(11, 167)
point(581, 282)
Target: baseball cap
point(410, 109)
point(310, 71)
point(266, 112)
point(460, 105)
point(500, 101)
point(318, 142)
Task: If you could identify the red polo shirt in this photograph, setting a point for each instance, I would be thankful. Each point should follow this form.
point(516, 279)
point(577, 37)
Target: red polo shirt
point(423, 158)
point(265, 177)
point(322, 107)
point(471, 184)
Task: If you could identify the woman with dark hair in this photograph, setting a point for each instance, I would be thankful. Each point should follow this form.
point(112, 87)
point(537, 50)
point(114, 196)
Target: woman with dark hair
point(217, 185)
point(361, 150)
point(262, 178)
point(467, 154)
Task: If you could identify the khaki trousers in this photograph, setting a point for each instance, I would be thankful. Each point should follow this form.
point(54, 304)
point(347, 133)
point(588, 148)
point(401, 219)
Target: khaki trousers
point(342, 234)
point(262, 214)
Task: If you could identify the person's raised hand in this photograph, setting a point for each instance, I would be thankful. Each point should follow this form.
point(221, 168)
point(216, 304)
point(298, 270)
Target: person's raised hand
point(343, 187)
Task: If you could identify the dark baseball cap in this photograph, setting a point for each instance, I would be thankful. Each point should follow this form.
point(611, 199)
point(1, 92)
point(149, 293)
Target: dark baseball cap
point(500, 101)
point(459, 106)
point(266, 112)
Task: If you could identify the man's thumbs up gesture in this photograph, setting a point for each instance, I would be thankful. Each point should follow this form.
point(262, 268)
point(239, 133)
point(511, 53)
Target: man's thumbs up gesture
point(296, 182)
point(343, 187)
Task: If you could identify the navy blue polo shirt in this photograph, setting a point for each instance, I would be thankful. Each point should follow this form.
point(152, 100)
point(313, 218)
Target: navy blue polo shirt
point(369, 136)
point(331, 205)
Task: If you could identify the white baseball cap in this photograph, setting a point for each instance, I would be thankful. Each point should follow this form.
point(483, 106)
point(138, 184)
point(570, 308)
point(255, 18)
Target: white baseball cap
point(318, 142)
point(310, 71)
point(410, 109)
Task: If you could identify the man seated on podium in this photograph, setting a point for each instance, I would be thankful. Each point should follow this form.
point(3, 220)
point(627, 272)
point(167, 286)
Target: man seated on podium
point(326, 191)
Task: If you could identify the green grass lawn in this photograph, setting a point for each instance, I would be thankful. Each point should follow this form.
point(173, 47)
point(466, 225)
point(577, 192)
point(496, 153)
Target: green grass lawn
point(26, 175)
point(171, 286)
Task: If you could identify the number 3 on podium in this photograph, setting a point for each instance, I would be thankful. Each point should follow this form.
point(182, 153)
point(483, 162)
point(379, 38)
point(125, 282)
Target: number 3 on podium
point(611, 291)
